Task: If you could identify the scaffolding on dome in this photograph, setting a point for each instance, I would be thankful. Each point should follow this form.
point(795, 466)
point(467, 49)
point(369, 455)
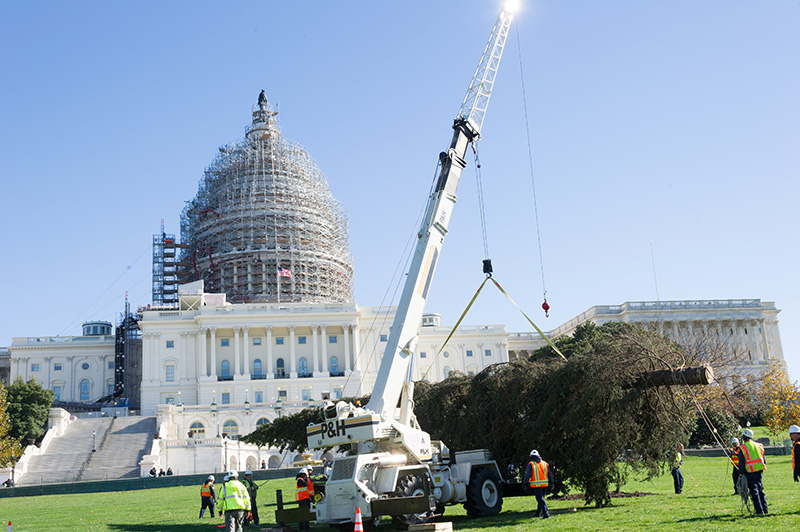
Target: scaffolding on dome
point(262, 207)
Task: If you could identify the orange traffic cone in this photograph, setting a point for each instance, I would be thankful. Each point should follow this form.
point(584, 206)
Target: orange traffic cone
point(359, 525)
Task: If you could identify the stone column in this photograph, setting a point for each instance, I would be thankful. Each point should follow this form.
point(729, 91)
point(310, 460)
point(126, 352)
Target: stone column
point(270, 367)
point(316, 361)
point(356, 347)
point(213, 361)
point(292, 354)
point(346, 356)
point(236, 354)
point(462, 356)
point(481, 356)
point(202, 352)
point(246, 342)
point(326, 368)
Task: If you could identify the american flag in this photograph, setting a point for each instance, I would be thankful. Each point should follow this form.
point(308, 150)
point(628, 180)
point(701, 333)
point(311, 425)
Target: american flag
point(284, 272)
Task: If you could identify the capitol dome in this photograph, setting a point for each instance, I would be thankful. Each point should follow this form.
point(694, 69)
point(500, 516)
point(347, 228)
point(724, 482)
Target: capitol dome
point(264, 225)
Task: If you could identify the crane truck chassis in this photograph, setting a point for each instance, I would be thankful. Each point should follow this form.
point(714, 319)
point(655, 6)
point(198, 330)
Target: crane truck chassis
point(394, 468)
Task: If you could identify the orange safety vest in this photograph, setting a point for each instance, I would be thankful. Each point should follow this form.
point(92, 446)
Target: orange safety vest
point(539, 471)
point(301, 493)
point(735, 457)
point(205, 491)
point(310, 487)
point(753, 456)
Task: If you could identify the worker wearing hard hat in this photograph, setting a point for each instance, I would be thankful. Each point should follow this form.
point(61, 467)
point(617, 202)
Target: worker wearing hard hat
point(252, 490)
point(675, 468)
point(303, 495)
point(794, 434)
point(207, 497)
point(539, 475)
point(752, 465)
point(733, 453)
point(234, 502)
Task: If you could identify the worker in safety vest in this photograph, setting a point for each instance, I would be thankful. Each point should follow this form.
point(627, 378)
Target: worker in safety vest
point(252, 489)
point(234, 502)
point(733, 454)
point(794, 434)
point(752, 465)
point(539, 475)
point(303, 495)
point(676, 461)
point(207, 497)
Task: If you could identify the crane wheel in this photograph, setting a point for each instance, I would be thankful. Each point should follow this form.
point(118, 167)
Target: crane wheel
point(409, 486)
point(484, 495)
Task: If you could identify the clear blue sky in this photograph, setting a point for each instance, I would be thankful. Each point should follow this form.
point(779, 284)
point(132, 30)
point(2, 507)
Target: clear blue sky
point(674, 124)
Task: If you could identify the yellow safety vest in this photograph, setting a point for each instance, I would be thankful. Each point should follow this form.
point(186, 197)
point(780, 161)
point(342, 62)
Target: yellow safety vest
point(234, 496)
point(753, 456)
point(539, 472)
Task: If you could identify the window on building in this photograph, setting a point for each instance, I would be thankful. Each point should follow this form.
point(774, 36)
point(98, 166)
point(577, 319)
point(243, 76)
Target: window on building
point(301, 339)
point(34, 367)
point(57, 366)
point(257, 367)
point(111, 365)
point(487, 352)
point(225, 368)
point(170, 400)
point(231, 428)
point(279, 340)
point(170, 373)
point(261, 421)
point(423, 354)
point(446, 354)
point(85, 365)
point(109, 389)
point(57, 393)
point(306, 395)
point(303, 370)
point(224, 342)
point(332, 339)
point(256, 341)
point(337, 393)
point(282, 395)
point(447, 371)
point(226, 398)
point(170, 344)
point(84, 389)
point(259, 397)
point(334, 366)
point(198, 430)
point(470, 373)
point(384, 338)
point(280, 369)
point(469, 352)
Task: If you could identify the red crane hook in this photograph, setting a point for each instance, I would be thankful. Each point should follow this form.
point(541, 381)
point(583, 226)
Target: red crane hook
point(546, 307)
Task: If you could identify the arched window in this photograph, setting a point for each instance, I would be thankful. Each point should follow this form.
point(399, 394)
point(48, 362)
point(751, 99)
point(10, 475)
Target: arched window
point(261, 421)
point(198, 430)
point(225, 368)
point(447, 371)
point(334, 366)
point(231, 428)
point(280, 371)
point(257, 367)
point(303, 366)
point(251, 463)
point(85, 390)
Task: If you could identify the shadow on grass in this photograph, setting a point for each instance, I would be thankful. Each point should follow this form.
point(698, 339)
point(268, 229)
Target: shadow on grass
point(507, 518)
point(164, 527)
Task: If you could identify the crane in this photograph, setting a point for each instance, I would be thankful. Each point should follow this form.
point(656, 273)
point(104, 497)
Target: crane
point(396, 469)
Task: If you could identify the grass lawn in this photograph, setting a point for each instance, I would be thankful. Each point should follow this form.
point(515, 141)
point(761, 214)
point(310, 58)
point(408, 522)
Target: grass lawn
point(706, 504)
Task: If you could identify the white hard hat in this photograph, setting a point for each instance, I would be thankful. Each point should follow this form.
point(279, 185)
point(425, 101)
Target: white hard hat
point(747, 433)
point(210, 477)
point(534, 452)
point(302, 471)
point(309, 468)
point(248, 472)
point(735, 441)
point(233, 474)
point(794, 429)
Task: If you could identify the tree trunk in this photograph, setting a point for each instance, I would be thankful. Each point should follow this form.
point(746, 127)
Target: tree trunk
point(699, 375)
